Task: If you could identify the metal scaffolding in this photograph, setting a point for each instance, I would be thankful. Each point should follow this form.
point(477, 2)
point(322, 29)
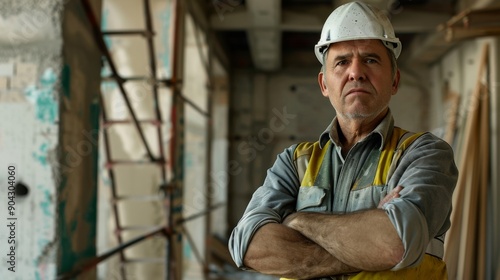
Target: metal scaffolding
point(172, 189)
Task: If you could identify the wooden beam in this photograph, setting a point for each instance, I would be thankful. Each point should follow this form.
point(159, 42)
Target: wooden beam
point(465, 25)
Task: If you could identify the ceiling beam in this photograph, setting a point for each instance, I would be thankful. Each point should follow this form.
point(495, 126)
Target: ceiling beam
point(410, 21)
point(311, 20)
point(468, 24)
point(264, 33)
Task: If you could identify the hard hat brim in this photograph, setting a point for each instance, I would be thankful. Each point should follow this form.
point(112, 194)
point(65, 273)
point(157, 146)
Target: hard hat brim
point(396, 50)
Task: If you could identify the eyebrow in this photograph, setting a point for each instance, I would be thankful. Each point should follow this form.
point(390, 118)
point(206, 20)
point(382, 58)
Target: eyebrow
point(363, 55)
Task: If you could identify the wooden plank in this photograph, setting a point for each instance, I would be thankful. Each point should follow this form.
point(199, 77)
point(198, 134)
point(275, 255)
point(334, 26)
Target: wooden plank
point(468, 230)
point(483, 187)
point(458, 241)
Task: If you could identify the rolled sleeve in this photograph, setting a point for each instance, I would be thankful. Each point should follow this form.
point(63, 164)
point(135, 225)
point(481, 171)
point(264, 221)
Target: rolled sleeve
point(243, 233)
point(428, 174)
point(411, 227)
point(270, 203)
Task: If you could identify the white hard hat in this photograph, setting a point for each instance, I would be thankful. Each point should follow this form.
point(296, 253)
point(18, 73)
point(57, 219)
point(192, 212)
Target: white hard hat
point(357, 21)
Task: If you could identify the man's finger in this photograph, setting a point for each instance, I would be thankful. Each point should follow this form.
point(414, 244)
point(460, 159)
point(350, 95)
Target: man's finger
point(393, 194)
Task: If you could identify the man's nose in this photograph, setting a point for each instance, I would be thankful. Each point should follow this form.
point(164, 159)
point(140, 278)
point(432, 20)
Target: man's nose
point(357, 71)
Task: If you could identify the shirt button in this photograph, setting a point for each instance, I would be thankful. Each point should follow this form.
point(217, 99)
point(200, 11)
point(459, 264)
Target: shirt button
point(356, 196)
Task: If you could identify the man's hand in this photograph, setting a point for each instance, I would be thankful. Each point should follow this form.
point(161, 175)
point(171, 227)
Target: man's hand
point(289, 219)
point(392, 195)
point(279, 250)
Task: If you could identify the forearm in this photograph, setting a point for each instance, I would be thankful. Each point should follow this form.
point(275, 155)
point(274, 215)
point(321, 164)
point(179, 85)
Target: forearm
point(366, 240)
point(278, 250)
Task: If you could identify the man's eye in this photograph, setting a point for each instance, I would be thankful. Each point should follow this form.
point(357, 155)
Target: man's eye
point(370, 60)
point(341, 62)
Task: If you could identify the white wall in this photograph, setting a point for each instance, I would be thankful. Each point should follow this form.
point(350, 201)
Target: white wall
point(48, 110)
point(408, 106)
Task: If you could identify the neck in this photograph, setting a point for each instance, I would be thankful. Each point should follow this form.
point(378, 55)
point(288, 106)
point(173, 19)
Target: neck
point(354, 130)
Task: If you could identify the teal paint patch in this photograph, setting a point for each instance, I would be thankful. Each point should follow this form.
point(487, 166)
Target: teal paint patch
point(107, 86)
point(40, 272)
point(104, 26)
point(46, 204)
point(177, 210)
point(41, 155)
point(67, 257)
point(188, 160)
point(165, 18)
point(186, 250)
point(43, 97)
point(86, 214)
point(106, 70)
point(66, 80)
point(91, 213)
point(43, 242)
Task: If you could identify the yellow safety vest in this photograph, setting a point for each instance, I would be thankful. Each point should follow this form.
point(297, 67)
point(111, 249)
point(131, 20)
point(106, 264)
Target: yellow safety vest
point(309, 157)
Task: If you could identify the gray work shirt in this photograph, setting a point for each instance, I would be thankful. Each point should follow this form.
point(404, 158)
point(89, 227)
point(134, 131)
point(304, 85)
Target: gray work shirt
point(421, 214)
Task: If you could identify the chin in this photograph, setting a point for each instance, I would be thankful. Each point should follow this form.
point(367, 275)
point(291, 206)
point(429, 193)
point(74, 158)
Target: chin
point(358, 115)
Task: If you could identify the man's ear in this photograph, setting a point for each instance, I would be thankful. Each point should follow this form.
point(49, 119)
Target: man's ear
point(322, 84)
point(395, 83)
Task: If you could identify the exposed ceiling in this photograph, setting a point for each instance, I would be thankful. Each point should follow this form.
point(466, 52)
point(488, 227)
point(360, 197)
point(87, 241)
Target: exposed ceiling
point(270, 34)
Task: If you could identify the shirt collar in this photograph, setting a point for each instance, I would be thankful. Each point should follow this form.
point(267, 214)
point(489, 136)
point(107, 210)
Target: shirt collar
point(383, 130)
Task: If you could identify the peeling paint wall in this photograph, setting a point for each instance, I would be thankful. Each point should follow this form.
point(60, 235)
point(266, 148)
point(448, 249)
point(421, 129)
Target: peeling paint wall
point(46, 111)
point(30, 58)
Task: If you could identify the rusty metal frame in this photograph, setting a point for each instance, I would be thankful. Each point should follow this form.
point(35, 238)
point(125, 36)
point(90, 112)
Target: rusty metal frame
point(155, 83)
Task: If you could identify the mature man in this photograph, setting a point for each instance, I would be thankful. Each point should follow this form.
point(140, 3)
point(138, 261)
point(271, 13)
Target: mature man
point(368, 200)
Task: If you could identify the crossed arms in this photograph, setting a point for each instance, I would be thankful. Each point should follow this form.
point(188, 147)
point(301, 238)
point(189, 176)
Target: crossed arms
point(305, 246)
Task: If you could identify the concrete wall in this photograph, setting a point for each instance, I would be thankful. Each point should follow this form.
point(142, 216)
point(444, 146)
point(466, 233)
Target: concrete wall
point(49, 112)
point(409, 105)
point(29, 108)
point(269, 112)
